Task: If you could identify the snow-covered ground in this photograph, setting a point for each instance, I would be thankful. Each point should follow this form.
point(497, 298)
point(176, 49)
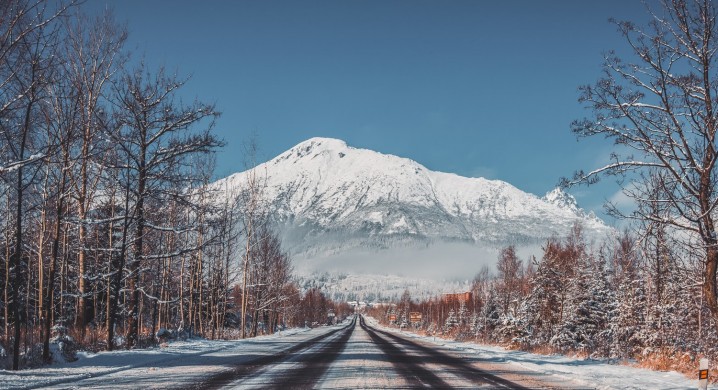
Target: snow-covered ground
point(561, 369)
point(186, 363)
point(180, 363)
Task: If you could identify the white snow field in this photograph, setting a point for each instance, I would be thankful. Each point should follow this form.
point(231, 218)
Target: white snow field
point(359, 362)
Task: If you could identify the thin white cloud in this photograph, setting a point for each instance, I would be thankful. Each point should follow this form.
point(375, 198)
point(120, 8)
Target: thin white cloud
point(622, 201)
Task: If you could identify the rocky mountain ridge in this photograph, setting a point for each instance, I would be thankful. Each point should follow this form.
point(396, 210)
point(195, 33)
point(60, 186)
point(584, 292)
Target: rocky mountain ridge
point(327, 197)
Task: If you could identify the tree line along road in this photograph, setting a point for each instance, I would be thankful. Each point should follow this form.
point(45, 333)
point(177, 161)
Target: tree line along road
point(352, 355)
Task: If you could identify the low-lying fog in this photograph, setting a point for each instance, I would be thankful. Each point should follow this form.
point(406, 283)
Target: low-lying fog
point(443, 261)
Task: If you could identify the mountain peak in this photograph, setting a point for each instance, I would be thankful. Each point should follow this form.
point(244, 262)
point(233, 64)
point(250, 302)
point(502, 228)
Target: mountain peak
point(561, 198)
point(329, 197)
point(319, 144)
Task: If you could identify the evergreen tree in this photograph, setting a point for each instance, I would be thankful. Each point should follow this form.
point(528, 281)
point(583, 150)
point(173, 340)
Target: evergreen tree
point(591, 305)
point(539, 311)
point(628, 325)
point(475, 324)
point(451, 321)
point(463, 313)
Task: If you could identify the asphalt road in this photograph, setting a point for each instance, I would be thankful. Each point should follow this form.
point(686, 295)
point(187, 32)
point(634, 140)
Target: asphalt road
point(360, 356)
point(354, 356)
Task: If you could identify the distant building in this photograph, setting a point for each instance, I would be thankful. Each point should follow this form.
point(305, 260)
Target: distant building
point(359, 304)
point(457, 297)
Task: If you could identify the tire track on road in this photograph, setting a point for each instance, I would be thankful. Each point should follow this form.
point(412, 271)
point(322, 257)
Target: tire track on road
point(459, 366)
point(314, 364)
point(254, 367)
point(408, 366)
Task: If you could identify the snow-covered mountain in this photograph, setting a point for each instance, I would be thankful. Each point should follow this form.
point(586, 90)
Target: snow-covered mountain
point(328, 198)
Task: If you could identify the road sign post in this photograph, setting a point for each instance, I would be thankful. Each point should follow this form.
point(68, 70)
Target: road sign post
point(703, 375)
point(414, 317)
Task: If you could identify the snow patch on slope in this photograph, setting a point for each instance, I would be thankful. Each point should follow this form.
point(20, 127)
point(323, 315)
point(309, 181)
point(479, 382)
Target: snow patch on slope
point(562, 199)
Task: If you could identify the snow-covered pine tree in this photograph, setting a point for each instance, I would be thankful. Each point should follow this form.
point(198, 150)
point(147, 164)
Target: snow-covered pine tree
point(490, 313)
point(540, 309)
point(570, 334)
point(451, 321)
point(628, 326)
point(605, 305)
point(545, 306)
point(463, 313)
point(511, 329)
point(590, 306)
point(475, 324)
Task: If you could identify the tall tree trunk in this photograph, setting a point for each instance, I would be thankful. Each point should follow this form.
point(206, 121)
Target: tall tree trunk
point(112, 268)
point(244, 281)
point(15, 261)
point(133, 333)
point(708, 234)
point(81, 271)
point(40, 249)
point(50, 290)
point(6, 292)
point(709, 284)
point(200, 286)
point(182, 311)
point(119, 270)
point(82, 228)
point(17, 255)
point(155, 303)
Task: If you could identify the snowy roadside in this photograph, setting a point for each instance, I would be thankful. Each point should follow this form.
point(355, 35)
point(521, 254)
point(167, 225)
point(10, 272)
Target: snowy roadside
point(589, 373)
point(133, 366)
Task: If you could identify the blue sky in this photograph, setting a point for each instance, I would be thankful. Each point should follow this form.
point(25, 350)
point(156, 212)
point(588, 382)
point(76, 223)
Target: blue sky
point(477, 88)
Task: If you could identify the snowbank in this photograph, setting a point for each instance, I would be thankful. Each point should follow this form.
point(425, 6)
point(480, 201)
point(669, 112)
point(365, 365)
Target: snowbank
point(582, 372)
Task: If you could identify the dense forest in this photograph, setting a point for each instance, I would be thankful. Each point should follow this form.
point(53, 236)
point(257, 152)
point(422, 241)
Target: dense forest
point(110, 234)
point(633, 298)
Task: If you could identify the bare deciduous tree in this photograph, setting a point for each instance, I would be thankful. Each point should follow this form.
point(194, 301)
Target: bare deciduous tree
point(659, 107)
point(510, 275)
point(94, 55)
point(157, 135)
point(27, 67)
